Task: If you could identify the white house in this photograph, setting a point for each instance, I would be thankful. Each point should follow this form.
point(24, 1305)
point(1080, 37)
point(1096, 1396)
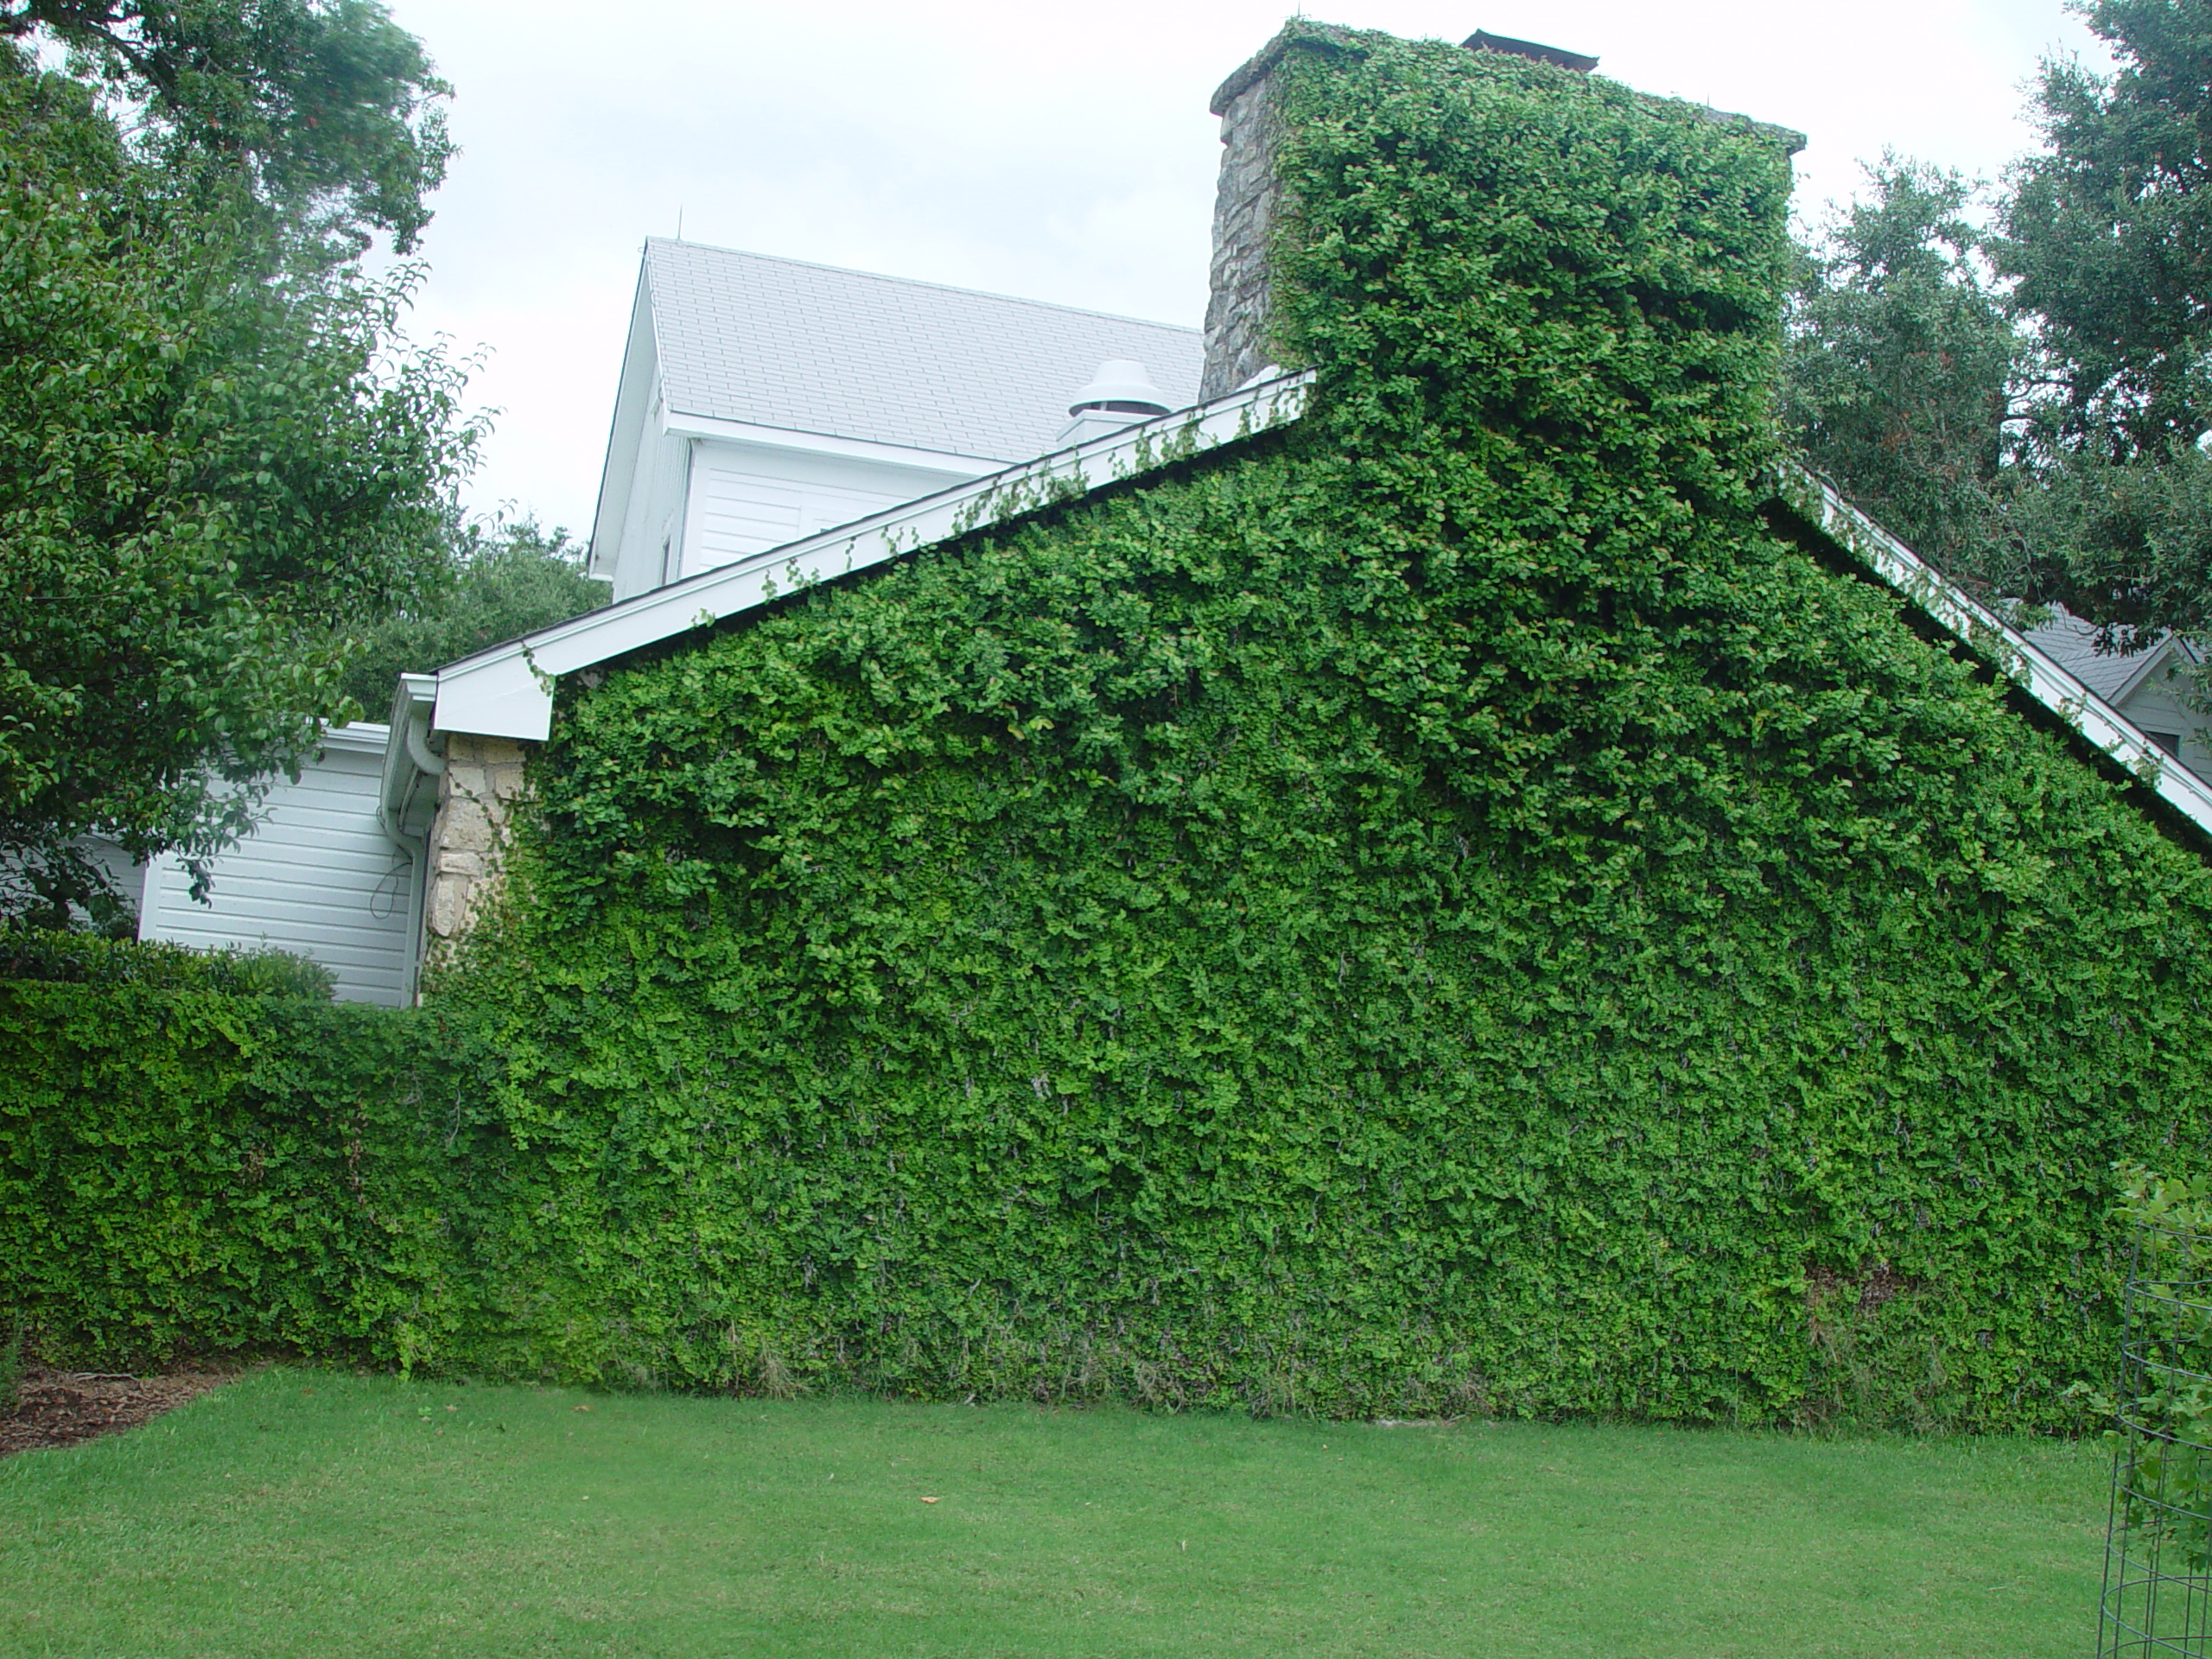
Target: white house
point(319, 876)
point(761, 401)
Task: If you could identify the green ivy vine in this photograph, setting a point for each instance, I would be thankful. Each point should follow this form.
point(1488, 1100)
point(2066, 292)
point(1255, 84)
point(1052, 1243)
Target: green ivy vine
point(1441, 908)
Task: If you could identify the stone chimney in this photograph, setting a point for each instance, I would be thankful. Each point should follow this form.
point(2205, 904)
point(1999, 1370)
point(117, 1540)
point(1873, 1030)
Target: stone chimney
point(1244, 208)
point(1248, 199)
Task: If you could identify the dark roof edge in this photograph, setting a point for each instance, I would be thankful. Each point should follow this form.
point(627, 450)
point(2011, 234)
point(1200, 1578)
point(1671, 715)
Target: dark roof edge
point(1483, 40)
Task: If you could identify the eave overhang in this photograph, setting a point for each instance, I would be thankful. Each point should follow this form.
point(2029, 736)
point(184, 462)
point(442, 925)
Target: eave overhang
point(685, 425)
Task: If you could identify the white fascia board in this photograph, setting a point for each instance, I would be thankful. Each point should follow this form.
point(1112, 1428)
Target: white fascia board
point(1996, 643)
point(633, 390)
point(817, 443)
point(507, 696)
point(357, 737)
point(507, 691)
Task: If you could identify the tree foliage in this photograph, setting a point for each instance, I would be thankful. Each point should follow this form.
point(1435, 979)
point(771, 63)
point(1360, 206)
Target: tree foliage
point(2108, 239)
point(1901, 364)
point(215, 468)
point(502, 581)
point(2024, 406)
point(2108, 232)
point(326, 111)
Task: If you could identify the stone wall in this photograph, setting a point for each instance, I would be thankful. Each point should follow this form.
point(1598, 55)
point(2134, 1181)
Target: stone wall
point(477, 796)
point(1247, 203)
point(1243, 214)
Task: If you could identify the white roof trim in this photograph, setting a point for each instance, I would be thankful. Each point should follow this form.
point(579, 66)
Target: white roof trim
point(817, 443)
point(1996, 643)
point(507, 691)
point(356, 737)
point(640, 368)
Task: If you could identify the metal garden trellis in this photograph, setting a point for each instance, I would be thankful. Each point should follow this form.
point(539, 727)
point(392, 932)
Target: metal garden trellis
point(2158, 1592)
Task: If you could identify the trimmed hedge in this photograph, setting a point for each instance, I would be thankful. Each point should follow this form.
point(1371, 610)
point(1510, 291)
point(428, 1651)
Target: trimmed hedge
point(188, 1170)
point(1438, 909)
point(77, 958)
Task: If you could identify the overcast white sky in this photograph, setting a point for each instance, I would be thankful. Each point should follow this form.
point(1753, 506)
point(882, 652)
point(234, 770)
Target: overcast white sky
point(1060, 153)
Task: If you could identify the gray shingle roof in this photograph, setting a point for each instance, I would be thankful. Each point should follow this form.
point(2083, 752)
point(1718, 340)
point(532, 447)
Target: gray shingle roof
point(813, 348)
point(2071, 643)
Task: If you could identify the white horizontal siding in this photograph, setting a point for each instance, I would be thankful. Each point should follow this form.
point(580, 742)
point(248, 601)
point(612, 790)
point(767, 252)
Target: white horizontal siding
point(742, 511)
point(745, 512)
point(317, 877)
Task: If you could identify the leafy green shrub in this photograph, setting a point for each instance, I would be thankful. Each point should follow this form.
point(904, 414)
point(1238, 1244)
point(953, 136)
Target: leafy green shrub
point(187, 1169)
point(77, 958)
point(2163, 1484)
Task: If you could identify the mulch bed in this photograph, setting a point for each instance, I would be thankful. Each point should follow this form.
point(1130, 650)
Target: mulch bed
point(61, 1408)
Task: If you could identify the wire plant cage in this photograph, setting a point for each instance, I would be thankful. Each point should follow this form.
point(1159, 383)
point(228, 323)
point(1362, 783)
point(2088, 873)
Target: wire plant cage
point(2157, 1593)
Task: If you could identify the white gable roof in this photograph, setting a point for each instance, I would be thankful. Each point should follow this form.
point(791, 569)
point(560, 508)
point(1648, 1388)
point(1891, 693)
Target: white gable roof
point(843, 353)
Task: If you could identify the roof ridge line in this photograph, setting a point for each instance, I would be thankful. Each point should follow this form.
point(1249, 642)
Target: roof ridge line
point(924, 282)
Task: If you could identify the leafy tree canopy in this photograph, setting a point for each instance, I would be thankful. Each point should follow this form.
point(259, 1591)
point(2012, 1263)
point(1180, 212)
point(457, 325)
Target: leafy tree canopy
point(2109, 232)
point(503, 580)
point(2025, 406)
point(217, 469)
point(1900, 363)
point(2109, 236)
point(326, 109)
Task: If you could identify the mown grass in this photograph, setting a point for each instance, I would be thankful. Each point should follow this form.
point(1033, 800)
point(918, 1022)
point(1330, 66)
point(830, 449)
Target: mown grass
point(312, 1513)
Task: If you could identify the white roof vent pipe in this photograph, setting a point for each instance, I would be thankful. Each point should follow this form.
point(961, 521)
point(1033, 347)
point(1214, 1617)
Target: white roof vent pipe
point(1119, 396)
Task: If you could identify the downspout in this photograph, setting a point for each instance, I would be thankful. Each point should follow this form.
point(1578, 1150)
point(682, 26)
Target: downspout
point(409, 762)
point(418, 743)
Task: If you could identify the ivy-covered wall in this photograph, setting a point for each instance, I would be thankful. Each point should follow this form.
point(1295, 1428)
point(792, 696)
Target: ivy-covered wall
point(1441, 908)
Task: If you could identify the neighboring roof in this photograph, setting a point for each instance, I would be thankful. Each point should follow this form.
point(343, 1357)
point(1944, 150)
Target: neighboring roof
point(1483, 40)
point(2072, 643)
point(844, 353)
point(507, 689)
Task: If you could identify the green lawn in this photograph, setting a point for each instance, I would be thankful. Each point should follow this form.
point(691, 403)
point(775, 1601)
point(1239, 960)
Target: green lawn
point(310, 1513)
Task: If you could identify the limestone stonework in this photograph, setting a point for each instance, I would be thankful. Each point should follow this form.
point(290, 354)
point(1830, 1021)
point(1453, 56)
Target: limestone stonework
point(1243, 215)
point(478, 795)
point(1247, 203)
